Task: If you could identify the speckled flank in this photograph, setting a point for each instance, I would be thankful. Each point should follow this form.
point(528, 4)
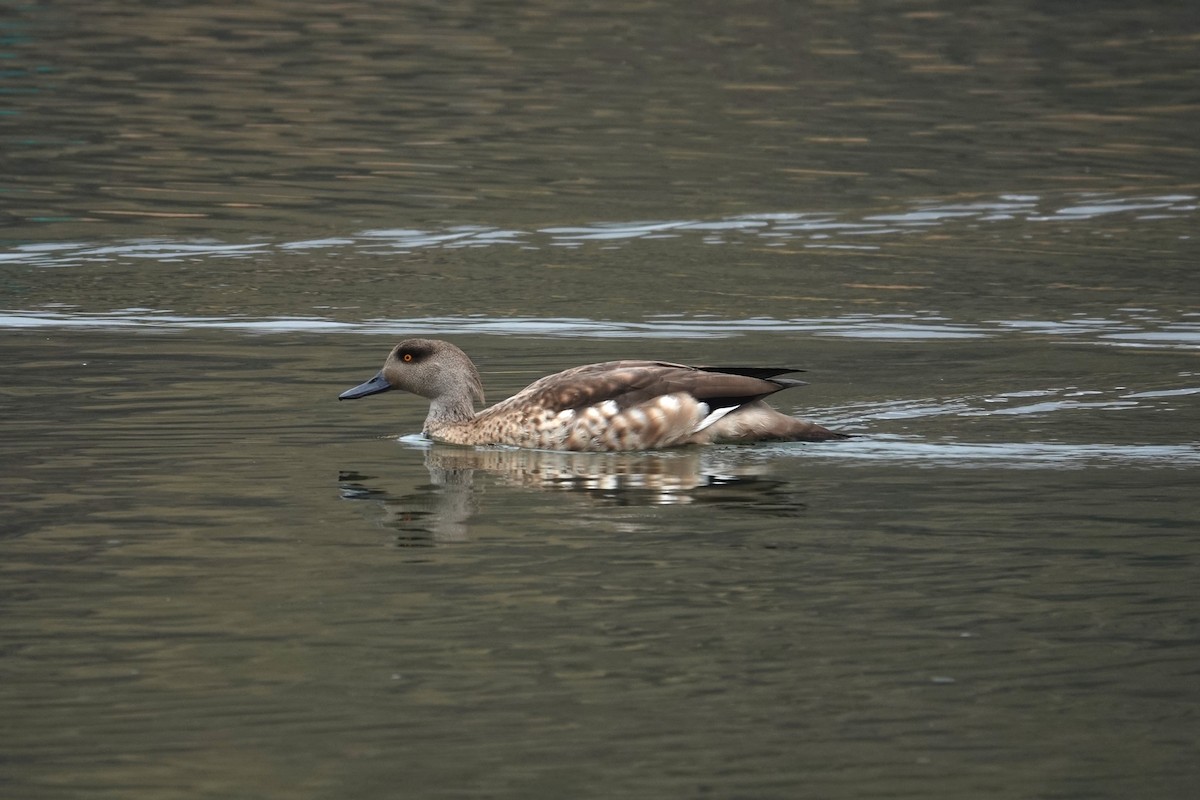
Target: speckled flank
point(613, 406)
point(664, 421)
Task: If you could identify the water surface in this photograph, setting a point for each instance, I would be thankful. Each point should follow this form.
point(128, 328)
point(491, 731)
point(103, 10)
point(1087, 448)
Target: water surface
point(975, 227)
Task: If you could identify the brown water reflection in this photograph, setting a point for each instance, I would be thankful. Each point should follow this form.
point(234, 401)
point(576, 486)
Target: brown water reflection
point(443, 511)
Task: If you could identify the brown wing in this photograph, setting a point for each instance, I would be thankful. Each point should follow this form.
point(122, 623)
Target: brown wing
point(630, 383)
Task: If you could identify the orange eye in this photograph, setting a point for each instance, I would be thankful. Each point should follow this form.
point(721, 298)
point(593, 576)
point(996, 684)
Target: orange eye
point(406, 357)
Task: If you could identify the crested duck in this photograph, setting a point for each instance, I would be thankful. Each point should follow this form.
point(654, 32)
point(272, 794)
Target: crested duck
point(613, 406)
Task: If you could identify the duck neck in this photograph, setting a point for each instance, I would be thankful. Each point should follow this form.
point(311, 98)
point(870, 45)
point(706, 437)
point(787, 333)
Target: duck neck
point(453, 396)
point(449, 411)
point(453, 410)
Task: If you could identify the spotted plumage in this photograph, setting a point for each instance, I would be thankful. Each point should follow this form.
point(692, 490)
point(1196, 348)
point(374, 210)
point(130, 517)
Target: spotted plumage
point(616, 405)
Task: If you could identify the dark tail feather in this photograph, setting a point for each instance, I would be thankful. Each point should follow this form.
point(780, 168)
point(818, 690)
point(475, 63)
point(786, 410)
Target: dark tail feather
point(763, 373)
point(788, 383)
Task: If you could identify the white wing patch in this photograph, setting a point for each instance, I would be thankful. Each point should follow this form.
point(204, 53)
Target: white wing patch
point(712, 417)
point(669, 402)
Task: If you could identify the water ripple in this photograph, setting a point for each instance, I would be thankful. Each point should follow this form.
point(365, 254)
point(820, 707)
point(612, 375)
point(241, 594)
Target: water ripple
point(1025, 403)
point(1133, 332)
point(923, 453)
point(813, 229)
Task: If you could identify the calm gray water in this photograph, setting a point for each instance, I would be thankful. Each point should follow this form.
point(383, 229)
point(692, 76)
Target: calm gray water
point(975, 225)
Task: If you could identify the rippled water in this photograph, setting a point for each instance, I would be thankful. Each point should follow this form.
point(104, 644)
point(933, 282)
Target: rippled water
point(974, 225)
point(1151, 312)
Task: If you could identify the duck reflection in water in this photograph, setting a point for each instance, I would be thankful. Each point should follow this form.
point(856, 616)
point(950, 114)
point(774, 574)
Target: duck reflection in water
point(612, 406)
point(441, 511)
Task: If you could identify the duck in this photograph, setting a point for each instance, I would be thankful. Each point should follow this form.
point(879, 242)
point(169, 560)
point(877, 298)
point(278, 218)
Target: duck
point(609, 407)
